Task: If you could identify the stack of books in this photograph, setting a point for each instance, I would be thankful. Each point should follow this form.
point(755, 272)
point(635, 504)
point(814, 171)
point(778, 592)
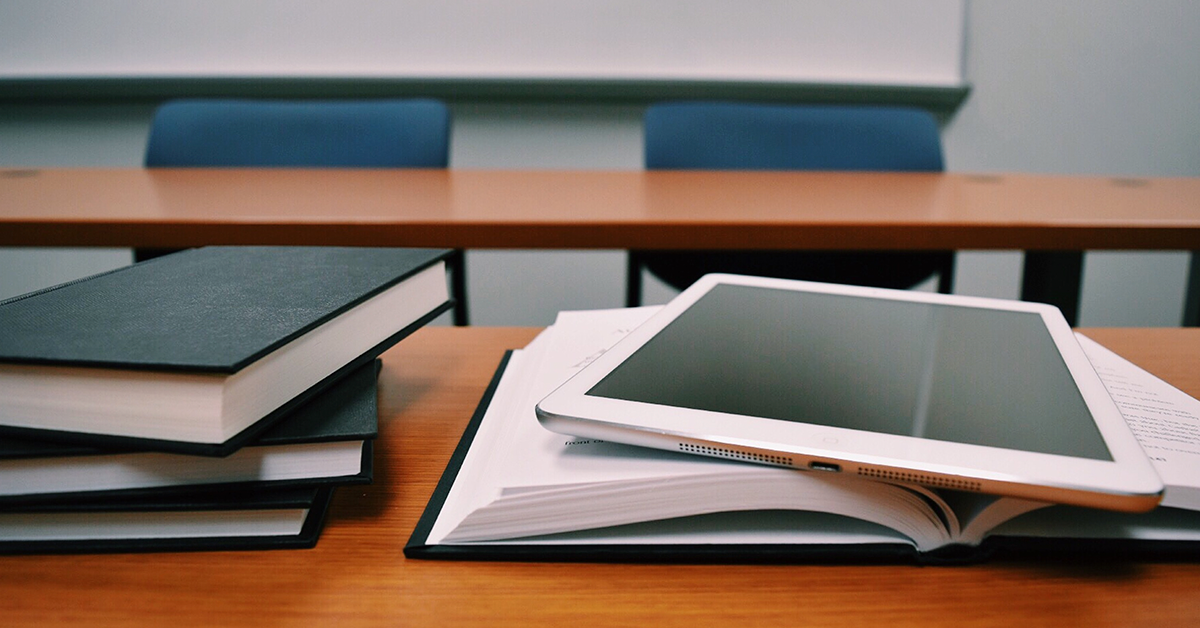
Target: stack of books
point(209, 399)
point(515, 491)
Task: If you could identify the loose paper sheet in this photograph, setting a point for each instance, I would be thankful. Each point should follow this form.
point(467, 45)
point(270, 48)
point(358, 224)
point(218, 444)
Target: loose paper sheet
point(1165, 420)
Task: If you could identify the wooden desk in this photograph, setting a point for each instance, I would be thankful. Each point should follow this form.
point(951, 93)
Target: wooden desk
point(357, 575)
point(1054, 218)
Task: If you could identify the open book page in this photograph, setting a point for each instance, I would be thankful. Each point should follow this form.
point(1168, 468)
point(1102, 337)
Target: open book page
point(1165, 420)
point(472, 488)
point(534, 513)
point(534, 482)
point(979, 514)
point(577, 339)
point(522, 480)
point(764, 527)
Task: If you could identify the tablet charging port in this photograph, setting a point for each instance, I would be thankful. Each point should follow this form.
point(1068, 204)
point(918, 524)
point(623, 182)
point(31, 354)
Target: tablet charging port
point(824, 466)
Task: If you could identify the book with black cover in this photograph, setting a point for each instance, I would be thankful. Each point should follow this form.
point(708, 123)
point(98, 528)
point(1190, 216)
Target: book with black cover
point(199, 351)
point(327, 440)
point(513, 491)
point(169, 522)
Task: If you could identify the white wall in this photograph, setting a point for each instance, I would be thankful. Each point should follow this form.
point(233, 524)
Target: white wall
point(1097, 88)
point(1077, 87)
point(112, 135)
point(848, 41)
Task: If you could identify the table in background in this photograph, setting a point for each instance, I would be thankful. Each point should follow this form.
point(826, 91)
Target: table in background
point(1053, 218)
point(357, 574)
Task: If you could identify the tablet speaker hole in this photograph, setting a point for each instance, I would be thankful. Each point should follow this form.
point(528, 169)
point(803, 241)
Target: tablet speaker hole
point(750, 456)
point(920, 478)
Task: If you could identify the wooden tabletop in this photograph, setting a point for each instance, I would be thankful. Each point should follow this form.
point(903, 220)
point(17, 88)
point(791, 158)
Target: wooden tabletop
point(357, 574)
point(590, 209)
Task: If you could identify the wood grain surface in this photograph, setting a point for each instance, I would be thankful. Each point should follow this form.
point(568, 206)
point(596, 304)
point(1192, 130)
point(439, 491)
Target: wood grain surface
point(595, 209)
point(357, 574)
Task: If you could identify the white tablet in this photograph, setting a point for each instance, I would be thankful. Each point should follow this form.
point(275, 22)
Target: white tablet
point(956, 392)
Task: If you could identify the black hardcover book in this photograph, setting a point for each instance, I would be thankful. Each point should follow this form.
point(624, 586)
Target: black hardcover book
point(189, 521)
point(327, 440)
point(805, 535)
point(199, 351)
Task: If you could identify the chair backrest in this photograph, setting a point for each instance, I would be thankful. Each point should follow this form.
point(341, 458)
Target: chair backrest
point(743, 136)
point(320, 134)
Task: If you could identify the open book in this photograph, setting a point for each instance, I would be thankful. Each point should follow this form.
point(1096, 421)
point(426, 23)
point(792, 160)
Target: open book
point(517, 491)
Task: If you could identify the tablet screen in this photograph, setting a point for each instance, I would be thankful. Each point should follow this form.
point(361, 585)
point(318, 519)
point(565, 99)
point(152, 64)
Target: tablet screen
point(935, 371)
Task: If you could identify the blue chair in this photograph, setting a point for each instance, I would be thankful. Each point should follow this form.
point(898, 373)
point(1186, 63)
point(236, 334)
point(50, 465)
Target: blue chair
point(300, 134)
point(306, 134)
point(744, 136)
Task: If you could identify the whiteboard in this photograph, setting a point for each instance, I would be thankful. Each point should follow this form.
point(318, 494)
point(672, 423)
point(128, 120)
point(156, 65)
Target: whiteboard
point(873, 42)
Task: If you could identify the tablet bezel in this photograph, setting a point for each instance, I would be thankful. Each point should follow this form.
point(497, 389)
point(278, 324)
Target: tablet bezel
point(1128, 482)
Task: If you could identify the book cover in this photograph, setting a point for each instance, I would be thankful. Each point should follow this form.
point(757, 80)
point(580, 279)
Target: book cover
point(325, 441)
point(199, 351)
point(187, 521)
point(512, 492)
